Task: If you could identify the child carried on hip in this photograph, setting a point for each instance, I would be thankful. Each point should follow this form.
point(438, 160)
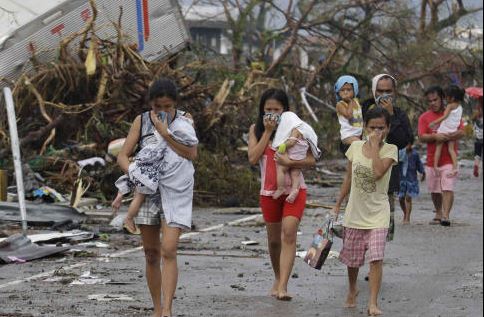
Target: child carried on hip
point(295, 137)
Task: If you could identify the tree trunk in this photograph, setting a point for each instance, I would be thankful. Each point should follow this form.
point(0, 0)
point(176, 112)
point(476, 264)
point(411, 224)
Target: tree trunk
point(423, 16)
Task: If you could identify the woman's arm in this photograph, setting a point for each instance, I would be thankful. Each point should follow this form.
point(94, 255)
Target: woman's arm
point(284, 160)
point(380, 166)
point(257, 147)
point(185, 151)
point(344, 190)
point(129, 145)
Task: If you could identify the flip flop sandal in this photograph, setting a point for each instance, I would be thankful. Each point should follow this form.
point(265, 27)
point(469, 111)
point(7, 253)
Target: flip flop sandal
point(284, 298)
point(435, 221)
point(445, 223)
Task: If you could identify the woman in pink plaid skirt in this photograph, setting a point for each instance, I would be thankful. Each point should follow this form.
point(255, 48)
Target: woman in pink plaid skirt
point(367, 215)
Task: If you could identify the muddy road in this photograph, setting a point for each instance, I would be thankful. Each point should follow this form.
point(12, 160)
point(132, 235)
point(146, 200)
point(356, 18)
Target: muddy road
point(428, 270)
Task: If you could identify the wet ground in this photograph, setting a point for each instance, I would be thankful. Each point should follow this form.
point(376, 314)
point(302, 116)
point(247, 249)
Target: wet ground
point(428, 270)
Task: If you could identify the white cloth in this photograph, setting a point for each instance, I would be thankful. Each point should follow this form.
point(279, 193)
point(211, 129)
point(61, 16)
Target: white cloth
point(376, 79)
point(290, 121)
point(158, 167)
point(452, 123)
point(478, 128)
point(176, 183)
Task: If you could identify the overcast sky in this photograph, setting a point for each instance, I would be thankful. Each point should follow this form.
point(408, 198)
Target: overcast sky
point(474, 19)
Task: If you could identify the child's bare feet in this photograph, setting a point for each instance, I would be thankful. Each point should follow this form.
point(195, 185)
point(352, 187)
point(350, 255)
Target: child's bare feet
point(373, 310)
point(405, 222)
point(129, 223)
point(166, 314)
point(274, 288)
point(351, 299)
point(284, 296)
point(292, 196)
point(278, 193)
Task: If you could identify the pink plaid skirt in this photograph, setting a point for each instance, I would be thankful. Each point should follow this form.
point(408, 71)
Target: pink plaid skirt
point(356, 242)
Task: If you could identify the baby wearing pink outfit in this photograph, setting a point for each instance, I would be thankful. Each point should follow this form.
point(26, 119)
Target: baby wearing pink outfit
point(294, 136)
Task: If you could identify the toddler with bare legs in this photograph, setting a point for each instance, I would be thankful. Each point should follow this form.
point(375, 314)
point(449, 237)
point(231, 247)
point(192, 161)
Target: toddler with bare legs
point(294, 136)
point(348, 109)
point(449, 123)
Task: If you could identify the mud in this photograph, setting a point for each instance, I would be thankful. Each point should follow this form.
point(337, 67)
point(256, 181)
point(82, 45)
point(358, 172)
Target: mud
point(428, 270)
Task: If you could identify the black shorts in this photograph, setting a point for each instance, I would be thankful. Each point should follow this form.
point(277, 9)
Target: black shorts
point(478, 148)
point(343, 147)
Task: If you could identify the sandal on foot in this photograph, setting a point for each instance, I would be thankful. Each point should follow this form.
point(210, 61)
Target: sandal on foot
point(284, 298)
point(445, 223)
point(435, 221)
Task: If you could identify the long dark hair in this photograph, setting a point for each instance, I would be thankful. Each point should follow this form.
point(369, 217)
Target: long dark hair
point(455, 92)
point(271, 93)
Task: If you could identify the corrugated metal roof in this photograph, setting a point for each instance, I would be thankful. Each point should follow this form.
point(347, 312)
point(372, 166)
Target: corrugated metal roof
point(15, 13)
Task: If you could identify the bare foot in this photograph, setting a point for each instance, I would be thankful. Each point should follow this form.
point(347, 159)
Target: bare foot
point(274, 288)
point(129, 223)
point(351, 299)
point(284, 296)
point(278, 193)
point(166, 314)
point(292, 196)
point(157, 314)
point(406, 222)
point(373, 310)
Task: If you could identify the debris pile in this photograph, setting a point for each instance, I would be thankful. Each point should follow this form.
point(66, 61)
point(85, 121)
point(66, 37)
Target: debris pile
point(69, 110)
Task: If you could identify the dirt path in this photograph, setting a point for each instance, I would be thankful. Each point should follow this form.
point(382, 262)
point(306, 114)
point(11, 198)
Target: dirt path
point(429, 271)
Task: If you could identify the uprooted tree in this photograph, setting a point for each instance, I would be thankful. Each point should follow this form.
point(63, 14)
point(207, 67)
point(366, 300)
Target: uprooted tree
point(309, 43)
point(66, 114)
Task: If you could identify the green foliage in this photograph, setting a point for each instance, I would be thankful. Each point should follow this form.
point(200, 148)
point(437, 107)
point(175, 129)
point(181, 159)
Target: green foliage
point(328, 134)
point(224, 180)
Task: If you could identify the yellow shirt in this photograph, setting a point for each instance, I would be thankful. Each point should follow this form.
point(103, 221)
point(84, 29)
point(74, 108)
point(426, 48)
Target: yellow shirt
point(368, 205)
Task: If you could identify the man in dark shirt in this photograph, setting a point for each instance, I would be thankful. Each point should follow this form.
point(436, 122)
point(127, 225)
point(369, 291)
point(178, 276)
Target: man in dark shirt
point(384, 93)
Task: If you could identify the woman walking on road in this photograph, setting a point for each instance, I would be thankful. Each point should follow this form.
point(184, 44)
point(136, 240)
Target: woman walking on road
point(176, 195)
point(367, 215)
point(281, 217)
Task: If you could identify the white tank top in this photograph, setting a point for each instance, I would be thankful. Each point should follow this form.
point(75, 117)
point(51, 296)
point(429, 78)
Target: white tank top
point(353, 128)
point(451, 124)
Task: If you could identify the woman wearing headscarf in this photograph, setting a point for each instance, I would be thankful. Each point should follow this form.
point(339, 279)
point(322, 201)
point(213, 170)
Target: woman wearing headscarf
point(384, 89)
